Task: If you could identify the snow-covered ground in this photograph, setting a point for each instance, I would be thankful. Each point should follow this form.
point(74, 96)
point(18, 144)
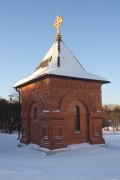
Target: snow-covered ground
point(80, 162)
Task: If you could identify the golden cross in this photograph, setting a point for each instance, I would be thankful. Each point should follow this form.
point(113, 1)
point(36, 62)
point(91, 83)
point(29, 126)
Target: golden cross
point(58, 23)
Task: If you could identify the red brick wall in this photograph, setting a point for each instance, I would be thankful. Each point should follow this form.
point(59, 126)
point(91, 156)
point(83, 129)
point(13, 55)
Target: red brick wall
point(55, 99)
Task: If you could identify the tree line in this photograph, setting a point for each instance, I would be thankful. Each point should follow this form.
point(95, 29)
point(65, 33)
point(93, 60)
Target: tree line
point(111, 117)
point(9, 115)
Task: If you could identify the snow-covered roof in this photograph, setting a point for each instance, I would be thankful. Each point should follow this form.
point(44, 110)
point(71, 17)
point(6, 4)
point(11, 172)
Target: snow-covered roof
point(60, 61)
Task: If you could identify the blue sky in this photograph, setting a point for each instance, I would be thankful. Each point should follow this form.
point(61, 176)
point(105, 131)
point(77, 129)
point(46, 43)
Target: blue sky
point(91, 30)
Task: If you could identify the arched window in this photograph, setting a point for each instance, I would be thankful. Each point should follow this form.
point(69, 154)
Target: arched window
point(76, 119)
point(35, 113)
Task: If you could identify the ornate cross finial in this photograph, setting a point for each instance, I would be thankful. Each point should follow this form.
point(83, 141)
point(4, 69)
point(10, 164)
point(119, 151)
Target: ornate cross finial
point(57, 25)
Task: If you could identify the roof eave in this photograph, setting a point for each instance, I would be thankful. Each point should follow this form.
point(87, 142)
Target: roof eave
point(53, 75)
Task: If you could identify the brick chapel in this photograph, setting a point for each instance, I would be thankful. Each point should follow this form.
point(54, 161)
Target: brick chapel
point(61, 102)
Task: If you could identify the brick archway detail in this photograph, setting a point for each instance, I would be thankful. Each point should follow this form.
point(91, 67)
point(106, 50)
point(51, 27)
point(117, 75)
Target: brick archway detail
point(32, 98)
point(35, 97)
point(78, 96)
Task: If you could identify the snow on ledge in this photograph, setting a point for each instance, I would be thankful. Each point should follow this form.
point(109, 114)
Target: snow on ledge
point(45, 111)
point(82, 147)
